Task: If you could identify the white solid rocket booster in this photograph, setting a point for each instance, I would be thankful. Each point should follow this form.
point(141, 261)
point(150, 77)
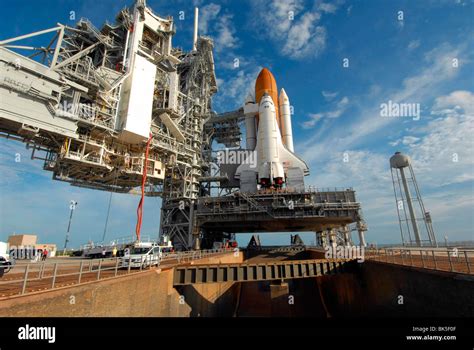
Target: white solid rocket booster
point(285, 120)
point(250, 127)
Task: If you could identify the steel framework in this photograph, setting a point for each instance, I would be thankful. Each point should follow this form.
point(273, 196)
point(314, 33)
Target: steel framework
point(78, 89)
point(71, 103)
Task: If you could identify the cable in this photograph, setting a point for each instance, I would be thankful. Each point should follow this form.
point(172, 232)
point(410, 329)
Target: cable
point(140, 204)
point(108, 208)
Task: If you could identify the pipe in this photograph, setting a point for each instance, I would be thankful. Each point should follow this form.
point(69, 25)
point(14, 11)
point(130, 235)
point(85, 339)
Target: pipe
point(142, 198)
point(125, 53)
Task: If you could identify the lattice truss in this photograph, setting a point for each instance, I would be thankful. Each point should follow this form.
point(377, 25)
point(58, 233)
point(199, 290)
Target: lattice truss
point(79, 87)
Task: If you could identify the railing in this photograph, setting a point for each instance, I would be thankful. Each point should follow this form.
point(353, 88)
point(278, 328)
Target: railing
point(255, 204)
point(115, 242)
point(453, 260)
point(36, 277)
point(314, 189)
point(441, 244)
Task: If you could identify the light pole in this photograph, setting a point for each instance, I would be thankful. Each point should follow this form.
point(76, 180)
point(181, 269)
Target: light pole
point(72, 206)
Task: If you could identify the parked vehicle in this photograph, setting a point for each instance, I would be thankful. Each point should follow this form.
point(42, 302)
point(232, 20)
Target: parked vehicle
point(144, 254)
point(5, 264)
point(97, 252)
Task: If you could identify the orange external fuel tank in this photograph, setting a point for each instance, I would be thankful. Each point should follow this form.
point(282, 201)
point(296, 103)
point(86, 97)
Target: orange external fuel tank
point(266, 83)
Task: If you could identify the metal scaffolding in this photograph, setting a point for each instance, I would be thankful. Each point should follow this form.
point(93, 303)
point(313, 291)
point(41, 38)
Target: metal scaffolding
point(87, 103)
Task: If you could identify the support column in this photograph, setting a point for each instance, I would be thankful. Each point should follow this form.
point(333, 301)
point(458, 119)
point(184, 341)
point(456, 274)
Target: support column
point(176, 222)
point(324, 240)
point(361, 228)
point(362, 242)
point(327, 237)
point(319, 238)
point(411, 210)
point(332, 237)
point(346, 233)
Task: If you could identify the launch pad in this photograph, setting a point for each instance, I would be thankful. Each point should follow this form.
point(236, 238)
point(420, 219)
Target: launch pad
point(262, 212)
point(310, 211)
point(120, 109)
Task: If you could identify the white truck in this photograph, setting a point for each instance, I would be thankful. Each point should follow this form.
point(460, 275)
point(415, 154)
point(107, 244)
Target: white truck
point(4, 250)
point(144, 254)
point(5, 262)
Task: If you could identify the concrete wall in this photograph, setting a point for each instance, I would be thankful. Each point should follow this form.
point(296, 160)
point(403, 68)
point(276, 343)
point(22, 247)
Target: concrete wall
point(147, 293)
point(379, 289)
point(373, 290)
point(228, 258)
point(426, 292)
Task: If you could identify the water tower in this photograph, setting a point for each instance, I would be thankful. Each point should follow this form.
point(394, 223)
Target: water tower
point(415, 221)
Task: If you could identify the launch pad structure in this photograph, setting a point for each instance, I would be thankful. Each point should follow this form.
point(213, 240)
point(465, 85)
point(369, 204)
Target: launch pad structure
point(87, 104)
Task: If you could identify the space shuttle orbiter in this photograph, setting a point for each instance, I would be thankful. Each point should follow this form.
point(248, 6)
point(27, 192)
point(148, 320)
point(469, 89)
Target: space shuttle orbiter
point(269, 133)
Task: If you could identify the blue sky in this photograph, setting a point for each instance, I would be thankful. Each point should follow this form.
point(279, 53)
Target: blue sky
point(426, 58)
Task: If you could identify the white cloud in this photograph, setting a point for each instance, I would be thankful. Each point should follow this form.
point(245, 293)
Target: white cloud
point(412, 45)
point(339, 109)
point(305, 38)
point(219, 82)
point(207, 14)
point(293, 27)
point(444, 154)
point(395, 143)
point(218, 25)
point(197, 3)
point(369, 174)
point(232, 91)
point(409, 140)
point(327, 7)
point(313, 120)
point(456, 101)
point(364, 169)
point(225, 37)
point(445, 184)
point(437, 70)
point(328, 95)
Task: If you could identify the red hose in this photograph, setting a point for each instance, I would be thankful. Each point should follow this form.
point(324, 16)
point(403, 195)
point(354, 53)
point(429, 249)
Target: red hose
point(142, 199)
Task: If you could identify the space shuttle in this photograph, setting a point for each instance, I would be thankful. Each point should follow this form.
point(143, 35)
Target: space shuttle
point(269, 133)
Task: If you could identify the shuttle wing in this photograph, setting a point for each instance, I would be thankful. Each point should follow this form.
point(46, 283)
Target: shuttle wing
point(291, 160)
